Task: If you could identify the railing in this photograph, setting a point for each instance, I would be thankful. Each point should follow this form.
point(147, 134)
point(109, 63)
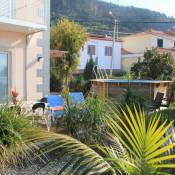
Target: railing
point(100, 72)
point(26, 10)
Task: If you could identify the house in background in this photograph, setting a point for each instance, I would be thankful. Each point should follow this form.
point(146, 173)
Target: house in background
point(24, 48)
point(136, 44)
point(100, 49)
point(128, 59)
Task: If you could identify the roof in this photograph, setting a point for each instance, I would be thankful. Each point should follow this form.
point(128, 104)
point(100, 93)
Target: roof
point(171, 31)
point(152, 32)
point(56, 54)
point(125, 52)
point(103, 38)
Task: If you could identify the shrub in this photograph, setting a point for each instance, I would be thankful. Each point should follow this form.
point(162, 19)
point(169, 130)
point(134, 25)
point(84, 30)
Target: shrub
point(88, 71)
point(14, 131)
point(77, 84)
point(84, 121)
point(154, 66)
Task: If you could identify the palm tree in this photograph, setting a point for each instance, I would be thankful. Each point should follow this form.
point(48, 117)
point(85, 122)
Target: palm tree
point(135, 146)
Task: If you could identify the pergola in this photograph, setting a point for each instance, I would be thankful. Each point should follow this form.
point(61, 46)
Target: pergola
point(57, 54)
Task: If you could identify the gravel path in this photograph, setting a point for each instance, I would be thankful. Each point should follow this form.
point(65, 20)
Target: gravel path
point(50, 169)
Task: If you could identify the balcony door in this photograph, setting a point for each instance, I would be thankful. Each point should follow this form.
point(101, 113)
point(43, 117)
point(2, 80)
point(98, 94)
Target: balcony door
point(3, 76)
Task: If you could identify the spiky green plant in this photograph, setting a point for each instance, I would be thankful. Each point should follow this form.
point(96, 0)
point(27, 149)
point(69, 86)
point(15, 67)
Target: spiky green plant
point(13, 133)
point(145, 143)
point(21, 142)
point(134, 146)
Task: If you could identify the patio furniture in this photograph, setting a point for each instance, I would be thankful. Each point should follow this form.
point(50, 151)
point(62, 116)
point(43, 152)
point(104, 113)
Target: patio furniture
point(56, 105)
point(167, 101)
point(52, 106)
point(76, 98)
point(157, 101)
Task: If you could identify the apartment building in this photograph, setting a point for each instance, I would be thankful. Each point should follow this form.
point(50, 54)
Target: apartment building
point(100, 49)
point(24, 48)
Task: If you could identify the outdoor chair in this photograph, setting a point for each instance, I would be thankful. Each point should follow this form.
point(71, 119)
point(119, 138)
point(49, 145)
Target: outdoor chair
point(157, 101)
point(52, 106)
point(76, 98)
point(56, 105)
point(168, 101)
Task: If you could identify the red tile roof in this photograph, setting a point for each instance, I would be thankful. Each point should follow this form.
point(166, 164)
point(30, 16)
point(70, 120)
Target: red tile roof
point(103, 38)
point(152, 32)
point(171, 32)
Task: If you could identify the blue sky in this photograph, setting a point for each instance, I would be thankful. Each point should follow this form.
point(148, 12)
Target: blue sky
point(164, 6)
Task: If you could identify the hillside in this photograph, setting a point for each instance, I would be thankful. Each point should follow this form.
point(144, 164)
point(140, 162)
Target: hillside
point(93, 14)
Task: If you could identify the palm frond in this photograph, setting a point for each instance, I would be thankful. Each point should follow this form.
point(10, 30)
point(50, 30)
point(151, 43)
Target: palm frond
point(145, 143)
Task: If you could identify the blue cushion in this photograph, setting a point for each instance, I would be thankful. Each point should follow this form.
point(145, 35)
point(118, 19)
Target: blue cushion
point(55, 100)
point(76, 97)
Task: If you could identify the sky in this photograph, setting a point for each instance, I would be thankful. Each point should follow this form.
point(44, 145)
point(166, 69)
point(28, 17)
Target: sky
point(163, 6)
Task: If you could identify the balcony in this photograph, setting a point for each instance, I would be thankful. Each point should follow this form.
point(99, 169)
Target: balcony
point(25, 16)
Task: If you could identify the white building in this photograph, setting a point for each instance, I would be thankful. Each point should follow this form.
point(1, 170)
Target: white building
point(100, 49)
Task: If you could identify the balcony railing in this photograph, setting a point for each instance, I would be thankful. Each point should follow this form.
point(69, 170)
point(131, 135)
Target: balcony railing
point(24, 10)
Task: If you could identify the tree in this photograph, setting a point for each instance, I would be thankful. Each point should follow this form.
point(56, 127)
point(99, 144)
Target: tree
point(69, 37)
point(89, 72)
point(154, 66)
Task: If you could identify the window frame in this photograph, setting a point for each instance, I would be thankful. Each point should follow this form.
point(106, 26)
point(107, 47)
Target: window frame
point(91, 49)
point(108, 51)
point(160, 43)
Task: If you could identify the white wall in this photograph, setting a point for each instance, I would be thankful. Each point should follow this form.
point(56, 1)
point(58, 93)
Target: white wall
point(103, 61)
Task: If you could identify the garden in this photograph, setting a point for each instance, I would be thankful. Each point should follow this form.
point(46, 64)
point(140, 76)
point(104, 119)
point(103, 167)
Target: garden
point(94, 135)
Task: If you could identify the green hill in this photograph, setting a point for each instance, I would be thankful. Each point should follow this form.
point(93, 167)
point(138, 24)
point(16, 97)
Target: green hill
point(93, 14)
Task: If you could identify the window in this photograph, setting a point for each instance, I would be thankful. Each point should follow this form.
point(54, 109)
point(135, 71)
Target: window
point(91, 50)
point(3, 75)
point(174, 43)
point(160, 43)
point(108, 51)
